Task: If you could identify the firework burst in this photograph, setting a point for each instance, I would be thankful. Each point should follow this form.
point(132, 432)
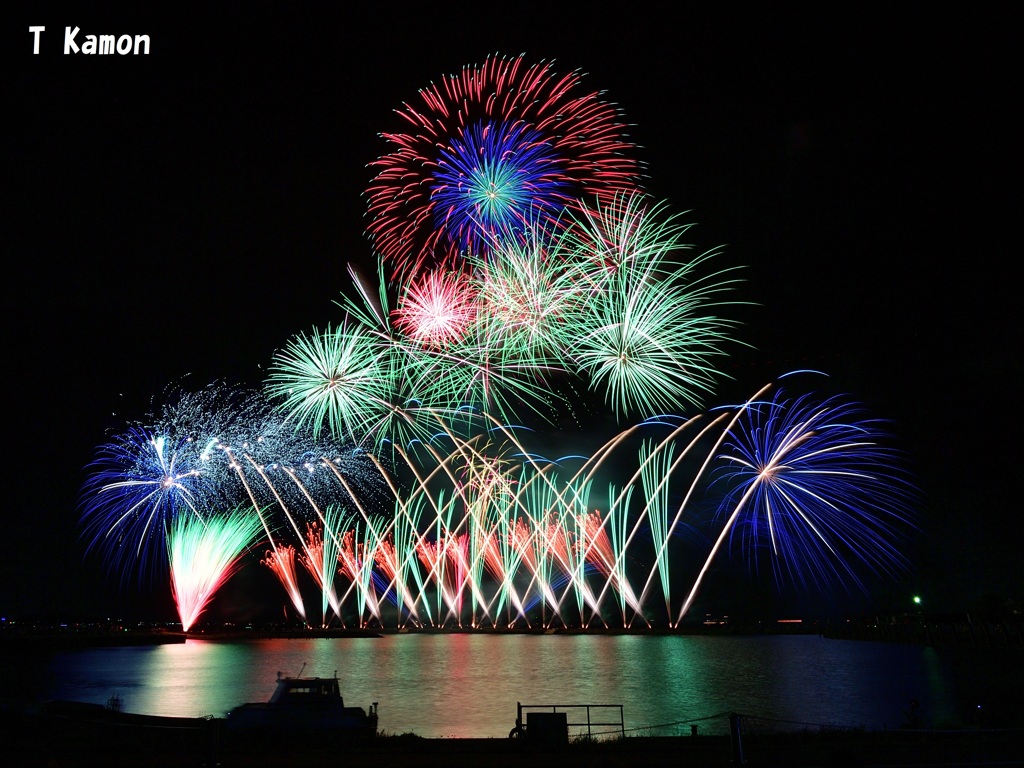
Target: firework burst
point(815, 488)
point(649, 335)
point(437, 308)
point(494, 180)
point(139, 483)
point(491, 150)
point(200, 452)
point(518, 260)
point(337, 377)
point(528, 296)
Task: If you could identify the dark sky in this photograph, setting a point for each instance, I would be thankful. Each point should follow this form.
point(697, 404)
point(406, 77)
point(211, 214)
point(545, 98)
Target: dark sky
point(185, 213)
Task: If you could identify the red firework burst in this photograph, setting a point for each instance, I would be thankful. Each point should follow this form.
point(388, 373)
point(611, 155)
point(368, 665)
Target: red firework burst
point(493, 149)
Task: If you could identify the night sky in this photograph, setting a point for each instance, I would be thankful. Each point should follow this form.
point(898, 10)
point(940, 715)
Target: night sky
point(177, 217)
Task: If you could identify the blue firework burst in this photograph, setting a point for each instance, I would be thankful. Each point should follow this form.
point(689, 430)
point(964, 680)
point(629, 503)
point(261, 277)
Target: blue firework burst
point(815, 487)
point(140, 482)
point(202, 453)
point(493, 179)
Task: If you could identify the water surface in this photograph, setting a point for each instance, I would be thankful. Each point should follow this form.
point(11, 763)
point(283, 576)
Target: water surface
point(467, 685)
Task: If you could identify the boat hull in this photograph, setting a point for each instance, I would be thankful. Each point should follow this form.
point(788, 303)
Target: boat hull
point(348, 721)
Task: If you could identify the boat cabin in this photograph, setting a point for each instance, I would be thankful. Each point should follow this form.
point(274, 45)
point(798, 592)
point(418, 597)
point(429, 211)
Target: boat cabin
point(305, 691)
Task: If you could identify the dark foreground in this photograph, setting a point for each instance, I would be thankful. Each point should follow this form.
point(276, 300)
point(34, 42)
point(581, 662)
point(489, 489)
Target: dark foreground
point(55, 738)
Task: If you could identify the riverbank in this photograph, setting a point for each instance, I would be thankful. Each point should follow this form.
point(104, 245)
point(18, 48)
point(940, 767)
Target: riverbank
point(63, 739)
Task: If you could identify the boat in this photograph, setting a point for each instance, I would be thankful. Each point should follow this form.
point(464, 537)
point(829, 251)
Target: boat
point(305, 704)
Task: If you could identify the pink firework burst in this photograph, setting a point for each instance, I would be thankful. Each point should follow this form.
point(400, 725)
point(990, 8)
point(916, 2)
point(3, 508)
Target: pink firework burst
point(437, 308)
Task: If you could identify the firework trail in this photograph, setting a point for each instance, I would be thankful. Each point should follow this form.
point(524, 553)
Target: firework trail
point(615, 530)
point(204, 555)
point(654, 468)
point(356, 563)
point(492, 151)
point(281, 561)
point(321, 560)
point(494, 530)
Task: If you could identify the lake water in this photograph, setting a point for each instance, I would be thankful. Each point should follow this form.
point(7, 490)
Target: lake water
point(467, 685)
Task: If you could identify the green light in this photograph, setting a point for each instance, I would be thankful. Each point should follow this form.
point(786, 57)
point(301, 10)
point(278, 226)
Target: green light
point(917, 600)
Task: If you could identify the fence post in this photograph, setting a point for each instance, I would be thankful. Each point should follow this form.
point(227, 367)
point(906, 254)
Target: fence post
point(736, 736)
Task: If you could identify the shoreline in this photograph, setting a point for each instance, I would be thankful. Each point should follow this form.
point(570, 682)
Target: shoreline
point(74, 736)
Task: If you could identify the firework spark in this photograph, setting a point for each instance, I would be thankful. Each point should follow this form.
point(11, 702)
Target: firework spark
point(200, 452)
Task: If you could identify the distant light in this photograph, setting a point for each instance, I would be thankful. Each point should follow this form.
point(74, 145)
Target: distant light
point(917, 600)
